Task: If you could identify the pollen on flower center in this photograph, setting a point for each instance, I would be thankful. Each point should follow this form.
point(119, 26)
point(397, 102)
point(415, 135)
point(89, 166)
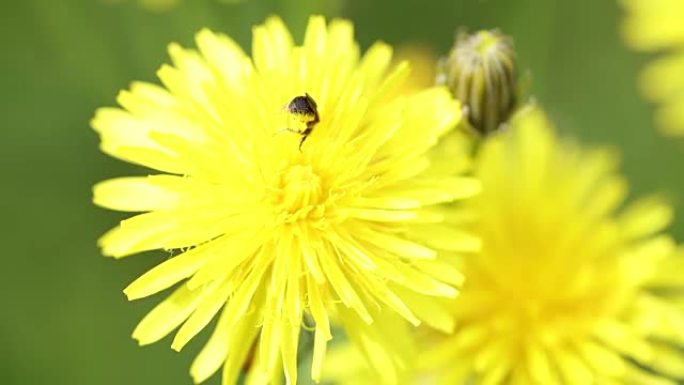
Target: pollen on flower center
point(299, 194)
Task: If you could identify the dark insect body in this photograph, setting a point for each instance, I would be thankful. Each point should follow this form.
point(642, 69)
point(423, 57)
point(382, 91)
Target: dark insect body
point(305, 111)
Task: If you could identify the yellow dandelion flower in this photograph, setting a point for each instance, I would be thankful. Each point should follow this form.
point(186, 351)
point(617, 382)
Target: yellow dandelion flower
point(569, 288)
point(656, 25)
point(274, 231)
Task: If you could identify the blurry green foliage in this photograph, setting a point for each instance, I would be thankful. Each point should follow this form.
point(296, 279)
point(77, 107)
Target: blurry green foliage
point(64, 318)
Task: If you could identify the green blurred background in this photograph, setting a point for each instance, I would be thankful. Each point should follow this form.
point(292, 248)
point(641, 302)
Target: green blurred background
point(64, 318)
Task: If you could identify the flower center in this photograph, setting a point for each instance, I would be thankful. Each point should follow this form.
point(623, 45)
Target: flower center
point(299, 195)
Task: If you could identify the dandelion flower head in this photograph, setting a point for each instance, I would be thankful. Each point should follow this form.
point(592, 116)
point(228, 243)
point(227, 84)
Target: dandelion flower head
point(570, 288)
point(275, 232)
point(656, 25)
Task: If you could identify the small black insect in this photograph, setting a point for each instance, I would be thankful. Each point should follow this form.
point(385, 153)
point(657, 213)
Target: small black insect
point(303, 110)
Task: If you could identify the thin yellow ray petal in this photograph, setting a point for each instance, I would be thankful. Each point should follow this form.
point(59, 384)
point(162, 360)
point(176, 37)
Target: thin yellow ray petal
point(157, 114)
point(393, 81)
point(190, 80)
point(233, 252)
point(429, 310)
point(351, 251)
point(375, 61)
point(256, 375)
point(394, 244)
point(496, 372)
point(637, 259)
point(341, 284)
point(136, 193)
point(571, 368)
point(309, 256)
point(173, 229)
point(385, 202)
point(166, 316)
point(539, 364)
point(222, 53)
point(380, 291)
point(442, 270)
point(319, 350)
point(488, 355)
point(409, 142)
point(201, 317)
point(214, 352)
point(430, 191)
point(270, 342)
point(322, 334)
point(119, 243)
point(656, 317)
point(379, 215)
point(249, 287)
point(471, 336)
point(667, 360)
point(315, 36)
point(645, 217)
point(146, 98)
point(400, 172)
point(623, 339)
point(127, 138)
point(446, 238)
point(602, 360)
point(240, 347)
point(318, 309)
point(230, 342)
point(169, 272)
point(637, 375)
point(270, 51)
point(288, 349)
point(668, 274)
point(190, 64)
point(411, 278)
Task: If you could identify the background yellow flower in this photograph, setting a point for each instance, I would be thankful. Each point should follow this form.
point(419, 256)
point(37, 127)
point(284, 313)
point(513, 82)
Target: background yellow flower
point(569, 287)
point(656, 26)
point(159, 6)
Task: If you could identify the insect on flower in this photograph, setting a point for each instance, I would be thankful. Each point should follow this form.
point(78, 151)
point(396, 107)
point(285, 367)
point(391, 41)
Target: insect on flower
point(303, 110)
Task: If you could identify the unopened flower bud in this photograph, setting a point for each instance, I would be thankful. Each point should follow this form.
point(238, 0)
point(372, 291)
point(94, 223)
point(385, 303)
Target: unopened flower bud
point(481, 71)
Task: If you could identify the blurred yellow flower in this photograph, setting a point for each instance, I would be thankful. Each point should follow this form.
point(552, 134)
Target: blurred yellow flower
point(568, 288)
point(152, 5)
point(342, 229)
point(657, 25)
point(159, 6)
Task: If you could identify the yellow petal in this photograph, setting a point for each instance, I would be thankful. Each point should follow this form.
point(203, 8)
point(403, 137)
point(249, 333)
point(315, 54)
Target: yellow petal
point(168, 273)
point(167, 315)
point(137, 193)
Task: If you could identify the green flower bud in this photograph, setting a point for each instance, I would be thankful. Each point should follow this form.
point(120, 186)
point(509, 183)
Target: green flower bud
point(481, 71)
